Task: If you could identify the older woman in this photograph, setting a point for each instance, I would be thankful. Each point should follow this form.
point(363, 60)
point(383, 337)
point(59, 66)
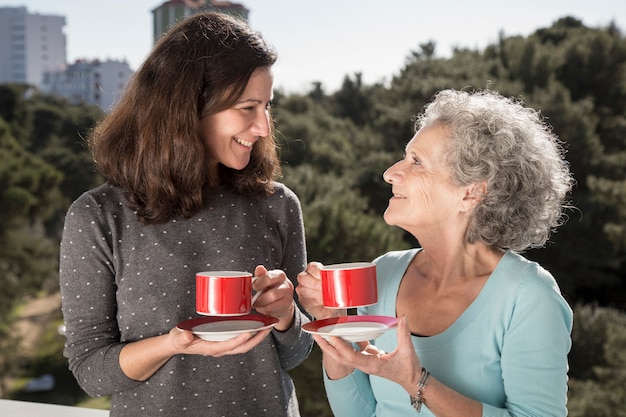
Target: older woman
point(482, 330)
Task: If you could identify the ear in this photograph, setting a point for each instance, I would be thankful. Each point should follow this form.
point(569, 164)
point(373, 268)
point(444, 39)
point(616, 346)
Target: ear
point(474, 194)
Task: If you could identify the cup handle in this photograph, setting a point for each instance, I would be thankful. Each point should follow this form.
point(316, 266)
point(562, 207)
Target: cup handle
point(257, 294)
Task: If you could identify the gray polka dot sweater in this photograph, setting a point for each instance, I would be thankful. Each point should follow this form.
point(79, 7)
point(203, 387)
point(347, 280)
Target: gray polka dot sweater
point(122, 281)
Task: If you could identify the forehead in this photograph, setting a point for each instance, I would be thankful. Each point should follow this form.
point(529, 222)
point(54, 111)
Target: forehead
point(429, 140)
point(261, 79)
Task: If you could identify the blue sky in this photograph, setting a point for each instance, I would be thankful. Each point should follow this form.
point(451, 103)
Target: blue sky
point(325, 40)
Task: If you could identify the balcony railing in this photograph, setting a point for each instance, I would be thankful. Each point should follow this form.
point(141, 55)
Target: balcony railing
point(11, 408)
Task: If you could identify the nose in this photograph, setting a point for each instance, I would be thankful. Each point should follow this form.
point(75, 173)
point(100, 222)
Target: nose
point(392, 174)
point(261, 124)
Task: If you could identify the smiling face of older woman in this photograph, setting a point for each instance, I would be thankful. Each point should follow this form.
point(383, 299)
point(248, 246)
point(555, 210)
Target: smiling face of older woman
point(424, 195)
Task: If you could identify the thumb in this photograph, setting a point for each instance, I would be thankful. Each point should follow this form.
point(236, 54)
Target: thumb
point(404, 332)
point(184, 338)
point(260, 270)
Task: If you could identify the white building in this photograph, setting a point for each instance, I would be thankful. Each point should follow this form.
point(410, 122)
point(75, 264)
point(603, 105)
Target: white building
point(30, 44)
point(95, 82)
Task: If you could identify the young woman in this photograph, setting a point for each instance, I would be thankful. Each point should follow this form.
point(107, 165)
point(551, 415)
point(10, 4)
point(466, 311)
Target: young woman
point(190, 164)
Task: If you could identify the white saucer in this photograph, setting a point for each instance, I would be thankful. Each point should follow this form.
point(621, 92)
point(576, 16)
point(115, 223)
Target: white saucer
point(352, 328)
point(218, 329)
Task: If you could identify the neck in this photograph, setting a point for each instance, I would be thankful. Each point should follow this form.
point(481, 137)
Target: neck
point(449, 264)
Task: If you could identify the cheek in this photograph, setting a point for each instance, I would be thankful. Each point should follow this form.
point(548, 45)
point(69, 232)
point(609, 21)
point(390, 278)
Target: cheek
point(423, 196)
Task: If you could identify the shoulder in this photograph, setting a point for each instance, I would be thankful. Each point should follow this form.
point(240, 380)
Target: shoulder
point(534, 289)
point(396, 256)
point(100, 195)
point(98, 202)
point(529, 275)
point(394, 261)
point(284, 195)
point(282, 191)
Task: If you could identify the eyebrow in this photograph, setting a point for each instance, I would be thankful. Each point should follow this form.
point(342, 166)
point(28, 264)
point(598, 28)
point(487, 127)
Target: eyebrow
point(250, 100)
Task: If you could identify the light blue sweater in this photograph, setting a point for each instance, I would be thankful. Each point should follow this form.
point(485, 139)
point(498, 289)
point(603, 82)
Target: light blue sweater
point(508, 349)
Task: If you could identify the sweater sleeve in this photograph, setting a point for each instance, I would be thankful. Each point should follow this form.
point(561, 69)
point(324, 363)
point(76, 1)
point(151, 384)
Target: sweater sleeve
point(535, 349)
point(88, 289)
point(294, 345)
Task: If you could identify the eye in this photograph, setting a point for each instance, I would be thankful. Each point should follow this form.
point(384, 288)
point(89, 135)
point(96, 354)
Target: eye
point(269, 105)
point(412, 159)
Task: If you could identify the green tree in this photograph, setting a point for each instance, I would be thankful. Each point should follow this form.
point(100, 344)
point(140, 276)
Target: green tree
point(598, 363)
point(29, 195)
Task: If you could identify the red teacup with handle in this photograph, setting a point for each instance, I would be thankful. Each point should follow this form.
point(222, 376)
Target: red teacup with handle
point(224, 293)
point(349, 285)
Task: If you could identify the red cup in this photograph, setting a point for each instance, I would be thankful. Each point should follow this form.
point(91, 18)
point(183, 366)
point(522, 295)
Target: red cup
point(224, 293)
point(349, 285)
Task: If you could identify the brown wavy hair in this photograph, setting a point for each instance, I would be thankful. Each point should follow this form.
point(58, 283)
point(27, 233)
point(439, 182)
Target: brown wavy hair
point(150, 145)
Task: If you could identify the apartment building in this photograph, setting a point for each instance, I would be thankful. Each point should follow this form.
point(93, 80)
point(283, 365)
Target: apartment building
point(30, 44)
point(96, 82)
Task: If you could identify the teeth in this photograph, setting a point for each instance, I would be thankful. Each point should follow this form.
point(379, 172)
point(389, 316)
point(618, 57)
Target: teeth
point(243, 142)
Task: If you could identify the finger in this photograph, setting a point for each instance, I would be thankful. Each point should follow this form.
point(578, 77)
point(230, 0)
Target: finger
point(182, 338)
point(307, 280)
point(363, 345)
point(322, 342)
point(313, 269)
point(239, 344)
point(369, 349)
point(259, 272)
point(250, 343)
point(278, 294)
point(303, 279)
point(344, 348)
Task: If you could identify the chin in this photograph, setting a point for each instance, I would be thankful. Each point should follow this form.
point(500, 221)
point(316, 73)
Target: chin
point(239, 166)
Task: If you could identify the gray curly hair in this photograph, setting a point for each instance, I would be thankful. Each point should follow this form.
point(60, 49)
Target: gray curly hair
point(509, 147)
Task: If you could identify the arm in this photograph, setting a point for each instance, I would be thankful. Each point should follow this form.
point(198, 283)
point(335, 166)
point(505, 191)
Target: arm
point(141, 359)
point(401, 366)
point(101, 361)
point(536, 345)
point(87, 282)
point(350, 396)
point(293, 344)
point(536, 339)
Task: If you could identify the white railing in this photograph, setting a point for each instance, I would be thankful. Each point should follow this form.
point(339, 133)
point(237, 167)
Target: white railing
point(11, 408)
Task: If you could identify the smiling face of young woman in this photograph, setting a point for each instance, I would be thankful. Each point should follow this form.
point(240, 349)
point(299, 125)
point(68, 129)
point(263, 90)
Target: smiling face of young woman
point(230, 134)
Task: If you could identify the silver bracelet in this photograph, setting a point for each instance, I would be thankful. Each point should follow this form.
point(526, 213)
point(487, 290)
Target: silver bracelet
point(417, 400)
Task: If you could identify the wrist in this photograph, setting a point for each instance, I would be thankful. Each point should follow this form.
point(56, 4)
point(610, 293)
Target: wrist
point(417, 392)
point(335, 370)
point(286, 321)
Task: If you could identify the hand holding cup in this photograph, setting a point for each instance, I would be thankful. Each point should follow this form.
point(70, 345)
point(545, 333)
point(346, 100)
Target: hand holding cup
point(327, 291)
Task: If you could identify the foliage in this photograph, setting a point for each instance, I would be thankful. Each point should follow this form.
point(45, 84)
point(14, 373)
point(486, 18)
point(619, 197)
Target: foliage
point(29, 195)
point(41, 172)
point(598, 363)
